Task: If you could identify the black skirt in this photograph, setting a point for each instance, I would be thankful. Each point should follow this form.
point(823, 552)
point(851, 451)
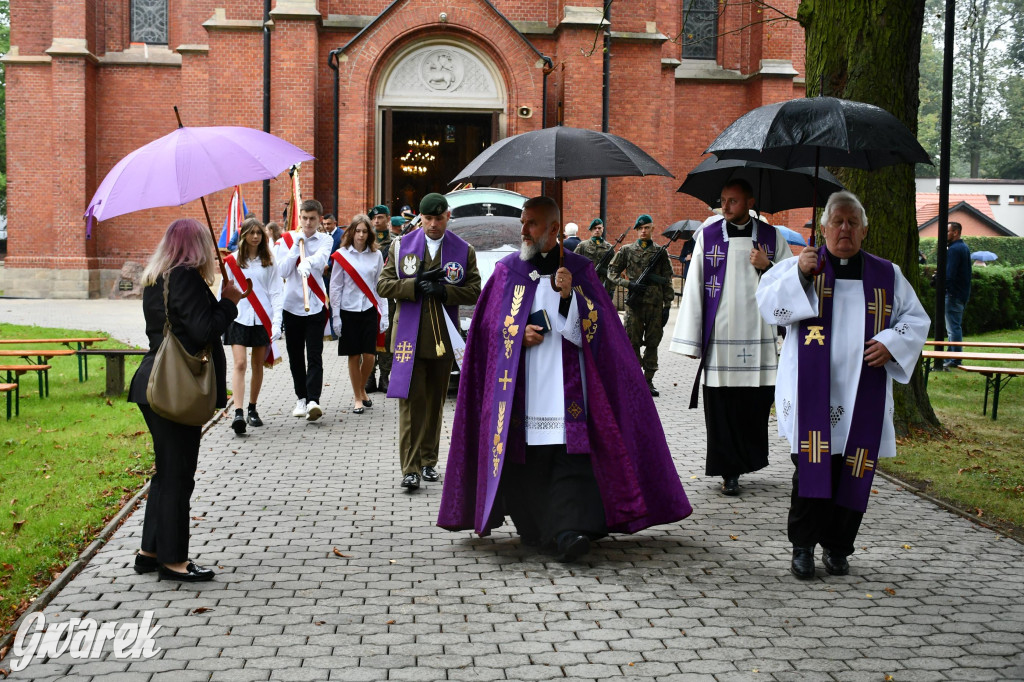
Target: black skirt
point(246, 335)
point(358, 332)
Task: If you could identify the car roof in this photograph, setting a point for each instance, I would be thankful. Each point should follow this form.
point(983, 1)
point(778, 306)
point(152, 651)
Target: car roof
point(477, 195)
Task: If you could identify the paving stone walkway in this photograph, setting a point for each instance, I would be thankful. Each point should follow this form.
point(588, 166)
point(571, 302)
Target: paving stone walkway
point(327, 570)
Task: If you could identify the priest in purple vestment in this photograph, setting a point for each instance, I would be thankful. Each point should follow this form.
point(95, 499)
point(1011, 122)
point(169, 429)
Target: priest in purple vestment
point(545, 427)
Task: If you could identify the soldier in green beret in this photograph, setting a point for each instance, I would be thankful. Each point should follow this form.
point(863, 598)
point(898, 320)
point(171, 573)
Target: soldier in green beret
point(645, 322)
point(595, 249)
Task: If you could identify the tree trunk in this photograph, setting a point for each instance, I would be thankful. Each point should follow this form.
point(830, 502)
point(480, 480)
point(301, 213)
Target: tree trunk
point(869, 51)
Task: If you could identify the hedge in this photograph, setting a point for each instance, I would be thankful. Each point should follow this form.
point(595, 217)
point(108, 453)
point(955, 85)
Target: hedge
point(997, 298)
point(1009, 249)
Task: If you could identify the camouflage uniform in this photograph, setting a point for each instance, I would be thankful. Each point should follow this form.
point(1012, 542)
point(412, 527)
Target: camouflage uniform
point(594, 252)
point(643, 324)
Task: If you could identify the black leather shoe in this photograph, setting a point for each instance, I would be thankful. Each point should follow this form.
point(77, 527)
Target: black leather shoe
point(731, 486)
point(654, 392)
point(834, 564)
point(371, 384)
point(411, 481)
point(358, 410)
point(238, 424)
point(146, 564)
point(367, 403)
point(571, 546)
point(383, 384)
point(430, 474)
point(254, 418)
point(803, 562)
point(192, 574)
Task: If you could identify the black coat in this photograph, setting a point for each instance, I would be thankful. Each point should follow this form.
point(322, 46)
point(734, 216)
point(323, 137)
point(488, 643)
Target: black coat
point(197, 319)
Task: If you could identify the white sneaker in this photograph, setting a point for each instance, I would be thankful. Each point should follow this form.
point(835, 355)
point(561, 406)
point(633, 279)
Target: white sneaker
point(313, 411)
point(300, 408)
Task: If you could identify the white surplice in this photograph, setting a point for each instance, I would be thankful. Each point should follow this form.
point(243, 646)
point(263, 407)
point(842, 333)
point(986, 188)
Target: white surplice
point(742, 351)
point(785, 298)
point(545, 395)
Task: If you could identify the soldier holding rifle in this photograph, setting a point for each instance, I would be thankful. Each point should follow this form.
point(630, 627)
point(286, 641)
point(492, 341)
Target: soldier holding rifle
point(599, 252)
point(649, 280)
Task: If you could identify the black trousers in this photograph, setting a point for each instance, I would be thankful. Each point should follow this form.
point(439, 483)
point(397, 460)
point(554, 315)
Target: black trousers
point(737, 428)
point(304, 339)
point(166, 524)
point(552, 492)
point(819, 521)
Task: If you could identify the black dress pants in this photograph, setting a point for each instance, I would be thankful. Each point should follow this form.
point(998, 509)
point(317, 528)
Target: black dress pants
point(304, 339)
point(819, 521)
point(165, 527)
point(552, 492)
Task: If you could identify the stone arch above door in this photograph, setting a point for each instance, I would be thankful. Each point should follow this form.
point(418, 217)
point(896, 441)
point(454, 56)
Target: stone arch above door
point(442, 74)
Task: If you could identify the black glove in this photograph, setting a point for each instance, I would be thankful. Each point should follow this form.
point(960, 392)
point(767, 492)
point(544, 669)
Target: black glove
point(664, 316)
point(438, 291)
point(638, 289)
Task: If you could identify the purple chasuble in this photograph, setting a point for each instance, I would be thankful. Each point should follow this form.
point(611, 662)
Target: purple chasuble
point(814, 368)
point(716, 255)
point(411, 253)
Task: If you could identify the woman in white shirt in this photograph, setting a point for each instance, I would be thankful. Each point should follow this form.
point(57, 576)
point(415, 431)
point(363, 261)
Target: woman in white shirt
point(360, 315)
point(256, 312)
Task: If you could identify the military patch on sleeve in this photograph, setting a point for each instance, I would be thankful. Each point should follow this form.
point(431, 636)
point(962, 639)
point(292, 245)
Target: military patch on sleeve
point(453, 272)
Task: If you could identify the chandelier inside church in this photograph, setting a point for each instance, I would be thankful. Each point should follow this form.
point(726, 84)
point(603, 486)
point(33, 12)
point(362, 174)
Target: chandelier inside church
point(416, 160)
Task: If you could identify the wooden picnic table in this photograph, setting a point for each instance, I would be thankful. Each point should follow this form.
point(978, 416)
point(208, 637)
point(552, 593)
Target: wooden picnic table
point(14, 373)
point(80, 341)
point(995, 377)
point(40, 355)
point(977, 344)
point(115, 366)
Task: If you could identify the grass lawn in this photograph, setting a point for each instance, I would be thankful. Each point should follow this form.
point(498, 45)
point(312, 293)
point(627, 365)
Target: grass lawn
point(67, 465)
point(977, 464)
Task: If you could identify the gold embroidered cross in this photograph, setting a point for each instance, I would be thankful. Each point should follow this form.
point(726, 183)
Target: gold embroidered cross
point(715, 255)
point(814, 334)
point(880, 309)
point(575, 410)
point(822, 291)
point(860, 463)
point(403, 351)
point(814, 447)
point(505, 381)
point(713, 287)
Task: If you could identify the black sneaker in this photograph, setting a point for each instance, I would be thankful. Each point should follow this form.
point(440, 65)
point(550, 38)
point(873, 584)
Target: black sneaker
point(254, 417)
point(238, 424)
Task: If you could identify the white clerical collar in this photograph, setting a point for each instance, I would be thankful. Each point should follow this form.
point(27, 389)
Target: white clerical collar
point(434, 242)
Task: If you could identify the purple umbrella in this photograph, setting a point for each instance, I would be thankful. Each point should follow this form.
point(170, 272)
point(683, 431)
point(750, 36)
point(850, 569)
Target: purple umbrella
point(188, 164)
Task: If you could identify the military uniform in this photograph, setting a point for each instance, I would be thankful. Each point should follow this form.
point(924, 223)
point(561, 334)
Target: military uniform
point(594, 249)
point(645, 323)
point(421, 413)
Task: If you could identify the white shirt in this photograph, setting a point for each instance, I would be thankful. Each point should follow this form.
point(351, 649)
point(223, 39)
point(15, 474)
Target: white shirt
point(318, 251)
point(433, 245)
point(266, 281)
point(785, 298)
point(742, 350)
point(345, 293)
point(545, 397)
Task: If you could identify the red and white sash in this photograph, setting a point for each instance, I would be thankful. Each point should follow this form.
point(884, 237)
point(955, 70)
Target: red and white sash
point(314, 286)
point(358, 279)
point(259, 299)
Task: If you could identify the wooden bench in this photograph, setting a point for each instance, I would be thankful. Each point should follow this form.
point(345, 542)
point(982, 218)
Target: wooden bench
point(81, 342)
point(9, 389)
point(115, 366)
point(40, 356)
point(14, 373)
point(994, 379)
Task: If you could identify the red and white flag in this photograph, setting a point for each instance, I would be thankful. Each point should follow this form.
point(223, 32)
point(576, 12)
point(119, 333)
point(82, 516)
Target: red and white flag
point(295, 202)
point(233, 222)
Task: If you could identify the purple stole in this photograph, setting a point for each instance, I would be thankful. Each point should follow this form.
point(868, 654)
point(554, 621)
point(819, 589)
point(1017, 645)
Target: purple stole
point(814, 460)
point(411, 252)
point(516, 302)
point(716, 254)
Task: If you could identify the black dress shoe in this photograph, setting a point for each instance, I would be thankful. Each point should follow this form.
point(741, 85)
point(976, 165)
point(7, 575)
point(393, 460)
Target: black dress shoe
point(731, 486)
point(238, 424)
point(803, 562)
point(146, 564)
point(430, 474)
point(367, 403)
point(254, 418)
point(411, 481)
point(358, 410)
point(571, 546)
point(654, 392)
point(192, 574)
point(834, 564)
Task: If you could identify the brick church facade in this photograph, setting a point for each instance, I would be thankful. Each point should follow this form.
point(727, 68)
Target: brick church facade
point(423, 86)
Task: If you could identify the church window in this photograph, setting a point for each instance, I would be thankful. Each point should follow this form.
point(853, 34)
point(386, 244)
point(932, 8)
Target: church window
point(149, 21)
point(700, 29)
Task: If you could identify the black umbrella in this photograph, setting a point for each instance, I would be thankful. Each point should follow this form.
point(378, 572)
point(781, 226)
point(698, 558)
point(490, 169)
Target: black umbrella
point(776, 189)
point(819, 131)
point(559, 153)
point(682, 229)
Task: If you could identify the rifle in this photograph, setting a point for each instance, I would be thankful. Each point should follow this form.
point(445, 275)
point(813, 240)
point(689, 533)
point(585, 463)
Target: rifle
point(606, 259)
point(634, 297)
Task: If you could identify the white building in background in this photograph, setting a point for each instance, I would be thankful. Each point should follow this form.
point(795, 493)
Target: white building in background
point(1005, 197)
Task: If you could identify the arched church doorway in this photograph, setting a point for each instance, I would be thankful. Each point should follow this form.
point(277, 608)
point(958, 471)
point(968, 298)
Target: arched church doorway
point(440, 104)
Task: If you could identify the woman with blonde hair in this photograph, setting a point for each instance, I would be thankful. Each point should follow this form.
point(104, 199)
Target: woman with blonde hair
point(360, 314)
point(258, 323)
point(182, 269)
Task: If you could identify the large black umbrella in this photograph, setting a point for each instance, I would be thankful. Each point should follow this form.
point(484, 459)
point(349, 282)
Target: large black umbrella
point(819, 131)
point(776, 189)
point(682, 229)
point(559, 153)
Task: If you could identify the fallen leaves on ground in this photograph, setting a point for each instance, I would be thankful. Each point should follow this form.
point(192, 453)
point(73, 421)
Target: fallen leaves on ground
point(338, 553)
